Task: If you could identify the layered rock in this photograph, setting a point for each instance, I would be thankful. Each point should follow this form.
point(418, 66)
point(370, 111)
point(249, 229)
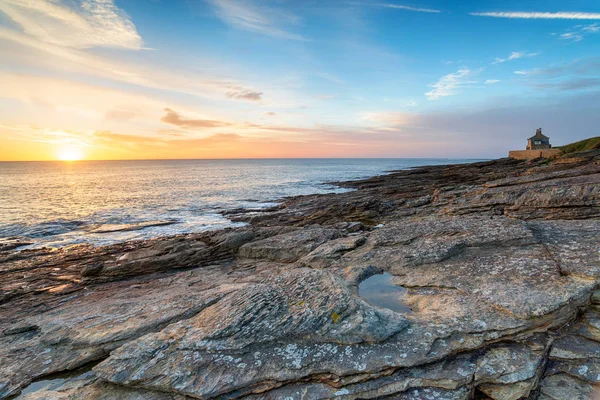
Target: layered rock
point(500, 261)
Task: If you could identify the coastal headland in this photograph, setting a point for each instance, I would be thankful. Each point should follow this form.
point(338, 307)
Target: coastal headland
point(496, 265)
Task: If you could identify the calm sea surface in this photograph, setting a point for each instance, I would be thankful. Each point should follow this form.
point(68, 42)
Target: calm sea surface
point(103, 202)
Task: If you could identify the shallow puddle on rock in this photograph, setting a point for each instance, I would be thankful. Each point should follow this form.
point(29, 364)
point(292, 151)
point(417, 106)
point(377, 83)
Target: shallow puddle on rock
point(378, 290)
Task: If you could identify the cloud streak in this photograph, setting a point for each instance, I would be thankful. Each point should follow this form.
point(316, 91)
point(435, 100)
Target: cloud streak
point(245, 95)
point(538, 15)
point(248, 16)
point(578, 32)
point(515, 55)
point(174, 118)
point(580, 67)
point(570, 84)
point(408, 8)
point(92, 23)
point(140, 74)
point(449, 85)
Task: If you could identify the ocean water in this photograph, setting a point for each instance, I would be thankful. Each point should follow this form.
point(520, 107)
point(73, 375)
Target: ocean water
point(102, 202)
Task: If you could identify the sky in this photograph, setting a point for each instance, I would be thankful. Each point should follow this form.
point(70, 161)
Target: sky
point(154, 79)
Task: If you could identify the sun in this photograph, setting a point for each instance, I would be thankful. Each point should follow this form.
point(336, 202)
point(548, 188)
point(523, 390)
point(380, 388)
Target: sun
point(69, 153)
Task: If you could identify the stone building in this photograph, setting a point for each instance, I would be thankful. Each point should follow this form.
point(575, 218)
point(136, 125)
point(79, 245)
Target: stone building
point(539, 141)
point(538, 146)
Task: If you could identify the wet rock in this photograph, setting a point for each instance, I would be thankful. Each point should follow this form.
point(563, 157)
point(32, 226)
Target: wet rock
point(355, 275)
point(324, 255)
point(574, 246)
point(421, 201)
point(92, 269)
point(288, 247)
point(575, 348)
point(174, 253)
point(499, 260)
point(508, 372)
point(270, 332)
point(89, 327)
point(563, 386)
point(87, 386)
point(12, 243)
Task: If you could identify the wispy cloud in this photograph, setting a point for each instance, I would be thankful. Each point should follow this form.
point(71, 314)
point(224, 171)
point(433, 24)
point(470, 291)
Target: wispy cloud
point(135, 73)
point(491, 81)
point(91, 23)
point(593, 28)
point(578, 32)
point(570, 84)
point(538, 15)
point(408, 8)
point(174, 118)
point(112, 138)
point(580, 67)
point(250, 16)
point(572, 36)
point(450, 84)
point(242, 94)
point(514, 56)
point(580, 74)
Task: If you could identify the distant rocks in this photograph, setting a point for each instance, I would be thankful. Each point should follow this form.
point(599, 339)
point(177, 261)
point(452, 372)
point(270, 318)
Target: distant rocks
point(500, 261)
point(12, 243)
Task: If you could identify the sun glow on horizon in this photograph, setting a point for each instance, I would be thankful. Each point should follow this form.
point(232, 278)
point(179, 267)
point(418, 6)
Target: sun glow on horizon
point(69, 153)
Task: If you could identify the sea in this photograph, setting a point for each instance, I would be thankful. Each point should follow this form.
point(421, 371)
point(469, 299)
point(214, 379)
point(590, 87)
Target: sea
point(56, 204)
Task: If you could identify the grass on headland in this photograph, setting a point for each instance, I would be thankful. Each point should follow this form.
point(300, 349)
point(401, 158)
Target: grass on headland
point(582, 145)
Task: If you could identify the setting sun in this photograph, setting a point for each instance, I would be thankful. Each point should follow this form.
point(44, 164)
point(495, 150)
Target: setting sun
point(69, 153)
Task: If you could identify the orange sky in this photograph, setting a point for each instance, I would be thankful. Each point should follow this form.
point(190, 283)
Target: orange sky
point(151, 80)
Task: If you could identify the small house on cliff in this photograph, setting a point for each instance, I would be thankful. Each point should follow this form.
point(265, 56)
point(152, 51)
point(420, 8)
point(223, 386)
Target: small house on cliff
point(539, 141)
point(538, 146)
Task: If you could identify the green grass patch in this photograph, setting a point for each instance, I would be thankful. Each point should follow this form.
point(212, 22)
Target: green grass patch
point(582, 145)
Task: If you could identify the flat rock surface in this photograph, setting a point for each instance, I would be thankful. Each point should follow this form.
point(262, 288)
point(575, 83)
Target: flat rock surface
point(498, 263)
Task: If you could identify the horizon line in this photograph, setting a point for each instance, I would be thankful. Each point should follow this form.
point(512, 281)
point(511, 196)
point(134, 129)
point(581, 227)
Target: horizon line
point(254, 158)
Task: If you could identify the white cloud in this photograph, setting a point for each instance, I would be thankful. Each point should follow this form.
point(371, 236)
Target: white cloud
point(408, 8)
point(578, 32)
point(31, 52)
point(514, 56)
point(521, 72)
point(250, 17)
point(594, 28)
point(571, 36)
point(450, 84)
point(539, 15)
point(491, 81)
point(91, 23)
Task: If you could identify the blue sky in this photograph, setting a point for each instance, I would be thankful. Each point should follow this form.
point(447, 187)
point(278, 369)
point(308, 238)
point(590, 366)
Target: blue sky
point(243, 78)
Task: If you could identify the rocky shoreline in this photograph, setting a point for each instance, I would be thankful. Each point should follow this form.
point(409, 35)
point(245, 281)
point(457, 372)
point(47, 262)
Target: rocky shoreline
point(500, 261)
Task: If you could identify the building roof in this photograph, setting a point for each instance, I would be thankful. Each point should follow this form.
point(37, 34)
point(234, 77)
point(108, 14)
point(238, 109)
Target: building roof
point(539, 135)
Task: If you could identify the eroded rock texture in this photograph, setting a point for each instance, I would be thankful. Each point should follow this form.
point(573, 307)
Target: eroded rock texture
point(500, 261)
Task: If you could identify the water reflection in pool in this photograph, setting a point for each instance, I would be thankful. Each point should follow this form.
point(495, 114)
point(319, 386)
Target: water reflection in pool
point(379, 291)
